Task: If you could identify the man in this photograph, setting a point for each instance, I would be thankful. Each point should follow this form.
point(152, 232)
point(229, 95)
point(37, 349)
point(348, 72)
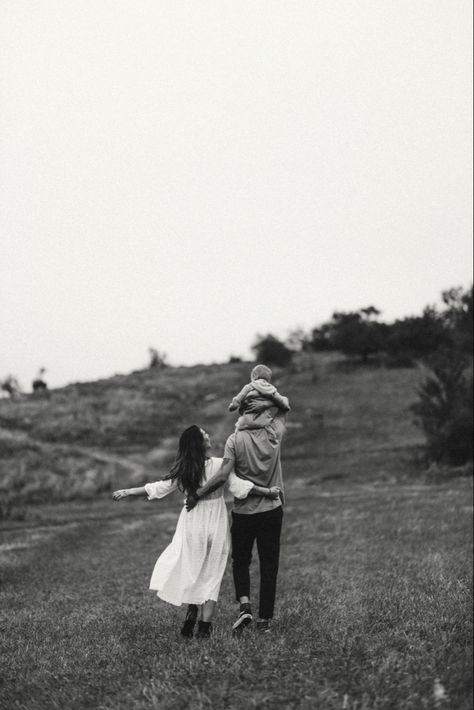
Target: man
point(254, 454)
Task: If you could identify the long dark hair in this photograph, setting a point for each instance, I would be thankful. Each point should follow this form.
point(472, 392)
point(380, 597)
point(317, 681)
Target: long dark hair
point(188, 468)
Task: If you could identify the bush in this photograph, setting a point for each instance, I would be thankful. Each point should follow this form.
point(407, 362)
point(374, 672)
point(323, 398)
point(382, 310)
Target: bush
point(271, 351)
point(355, 334)
point(416, 337)
point(458, 317)
point(444, 408)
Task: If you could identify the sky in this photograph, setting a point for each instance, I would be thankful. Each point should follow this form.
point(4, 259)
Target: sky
point(187, 175)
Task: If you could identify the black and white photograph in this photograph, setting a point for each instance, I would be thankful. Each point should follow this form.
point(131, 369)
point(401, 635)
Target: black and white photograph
point(236, 355)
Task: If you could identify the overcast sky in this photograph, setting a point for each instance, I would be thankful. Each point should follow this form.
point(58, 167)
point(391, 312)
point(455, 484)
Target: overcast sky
point(185, 175)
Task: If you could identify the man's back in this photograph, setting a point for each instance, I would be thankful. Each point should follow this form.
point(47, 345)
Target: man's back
point(256, 456)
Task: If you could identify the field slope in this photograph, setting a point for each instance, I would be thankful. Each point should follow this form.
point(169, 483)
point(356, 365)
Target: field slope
point(374, 603)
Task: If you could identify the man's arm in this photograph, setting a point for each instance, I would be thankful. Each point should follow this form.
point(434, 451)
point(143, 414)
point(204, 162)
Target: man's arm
point(213, 483)
point(240, 488)
point(218, 480)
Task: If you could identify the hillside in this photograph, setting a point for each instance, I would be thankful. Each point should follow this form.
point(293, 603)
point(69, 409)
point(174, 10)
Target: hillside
point(346, 423)
point(374, 604)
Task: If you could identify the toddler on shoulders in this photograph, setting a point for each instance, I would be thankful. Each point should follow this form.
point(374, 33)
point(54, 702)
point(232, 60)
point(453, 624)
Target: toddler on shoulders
point(258, 396)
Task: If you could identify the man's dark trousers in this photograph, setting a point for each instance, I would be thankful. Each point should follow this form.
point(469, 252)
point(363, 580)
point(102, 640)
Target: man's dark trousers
point(265, 528)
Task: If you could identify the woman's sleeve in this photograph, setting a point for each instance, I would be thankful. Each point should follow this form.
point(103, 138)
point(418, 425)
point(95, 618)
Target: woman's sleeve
point(160, 489)
point(238, 486)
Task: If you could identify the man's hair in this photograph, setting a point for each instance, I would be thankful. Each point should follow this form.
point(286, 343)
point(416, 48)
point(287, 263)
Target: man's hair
point(261, 372)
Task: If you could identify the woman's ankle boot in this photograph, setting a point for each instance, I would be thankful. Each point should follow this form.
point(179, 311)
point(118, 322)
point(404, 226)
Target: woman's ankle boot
point(204, 630)
point(190, 621)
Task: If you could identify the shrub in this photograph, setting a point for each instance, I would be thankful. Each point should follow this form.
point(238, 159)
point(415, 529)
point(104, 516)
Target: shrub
point(444, 408)
point(412, 338)
point(355, 334)
point(11, 386)
point(458, 317)
point(271, 351)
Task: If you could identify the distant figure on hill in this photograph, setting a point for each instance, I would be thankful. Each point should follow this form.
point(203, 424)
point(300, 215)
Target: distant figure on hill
point(253, 452)
point(39, 385)
point(157, 360)
point(190, 569)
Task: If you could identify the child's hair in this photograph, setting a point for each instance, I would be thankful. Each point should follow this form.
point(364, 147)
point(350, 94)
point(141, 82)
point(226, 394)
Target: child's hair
point(261, 372)
point(188, 468)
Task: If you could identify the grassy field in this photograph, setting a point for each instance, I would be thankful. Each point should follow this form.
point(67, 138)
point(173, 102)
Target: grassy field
point(375, 588)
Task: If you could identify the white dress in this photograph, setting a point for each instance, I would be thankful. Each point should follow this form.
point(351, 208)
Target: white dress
point(190, 569)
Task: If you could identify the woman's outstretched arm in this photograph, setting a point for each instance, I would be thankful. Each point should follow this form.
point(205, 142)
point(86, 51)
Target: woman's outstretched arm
point(158, 489)
point(124, 492)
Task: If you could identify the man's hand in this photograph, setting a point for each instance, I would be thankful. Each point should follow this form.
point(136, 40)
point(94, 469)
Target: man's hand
point(191, 502)
point(254, 407)
point(273, 493)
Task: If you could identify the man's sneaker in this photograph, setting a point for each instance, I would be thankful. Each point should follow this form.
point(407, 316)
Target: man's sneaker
point(187, 629)
point(244, 619)
point(204, 630)
point(263, 626)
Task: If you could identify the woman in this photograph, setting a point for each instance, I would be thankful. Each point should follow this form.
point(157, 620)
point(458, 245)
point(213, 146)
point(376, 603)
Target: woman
point(190, 569)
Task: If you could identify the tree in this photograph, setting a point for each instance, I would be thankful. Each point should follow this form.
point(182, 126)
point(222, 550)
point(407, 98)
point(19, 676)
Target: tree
point(11, 386)
point(297, 340)
point(445, 407)
point(416, 337)
point(355, 333)
point(458, 316)
point(271, 351)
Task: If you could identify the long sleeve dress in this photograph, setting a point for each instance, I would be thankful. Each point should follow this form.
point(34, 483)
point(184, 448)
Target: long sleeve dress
point(190, 569)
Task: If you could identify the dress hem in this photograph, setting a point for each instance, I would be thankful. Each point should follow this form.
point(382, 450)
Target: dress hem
point(184, 601)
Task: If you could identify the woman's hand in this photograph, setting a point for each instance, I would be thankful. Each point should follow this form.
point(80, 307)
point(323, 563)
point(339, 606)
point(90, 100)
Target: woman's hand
point(118, 495)
point(273, 493)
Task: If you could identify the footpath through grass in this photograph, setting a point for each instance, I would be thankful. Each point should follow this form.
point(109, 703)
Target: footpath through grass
point(374, 604)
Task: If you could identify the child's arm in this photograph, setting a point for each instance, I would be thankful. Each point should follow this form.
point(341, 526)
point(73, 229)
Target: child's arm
point(239, 398)
point(281, 401)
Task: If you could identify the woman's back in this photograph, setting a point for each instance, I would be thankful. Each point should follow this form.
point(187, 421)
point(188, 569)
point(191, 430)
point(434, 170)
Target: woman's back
point(211, 467)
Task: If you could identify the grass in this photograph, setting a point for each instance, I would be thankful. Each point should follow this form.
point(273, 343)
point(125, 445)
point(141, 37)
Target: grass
point(373, 606)
point(375, 586)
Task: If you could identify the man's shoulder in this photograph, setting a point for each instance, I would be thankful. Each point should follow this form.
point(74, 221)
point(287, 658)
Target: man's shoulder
point(230, 442)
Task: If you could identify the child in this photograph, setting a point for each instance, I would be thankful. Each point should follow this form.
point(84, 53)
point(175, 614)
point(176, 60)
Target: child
point(258, 396)
point(190, 569)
